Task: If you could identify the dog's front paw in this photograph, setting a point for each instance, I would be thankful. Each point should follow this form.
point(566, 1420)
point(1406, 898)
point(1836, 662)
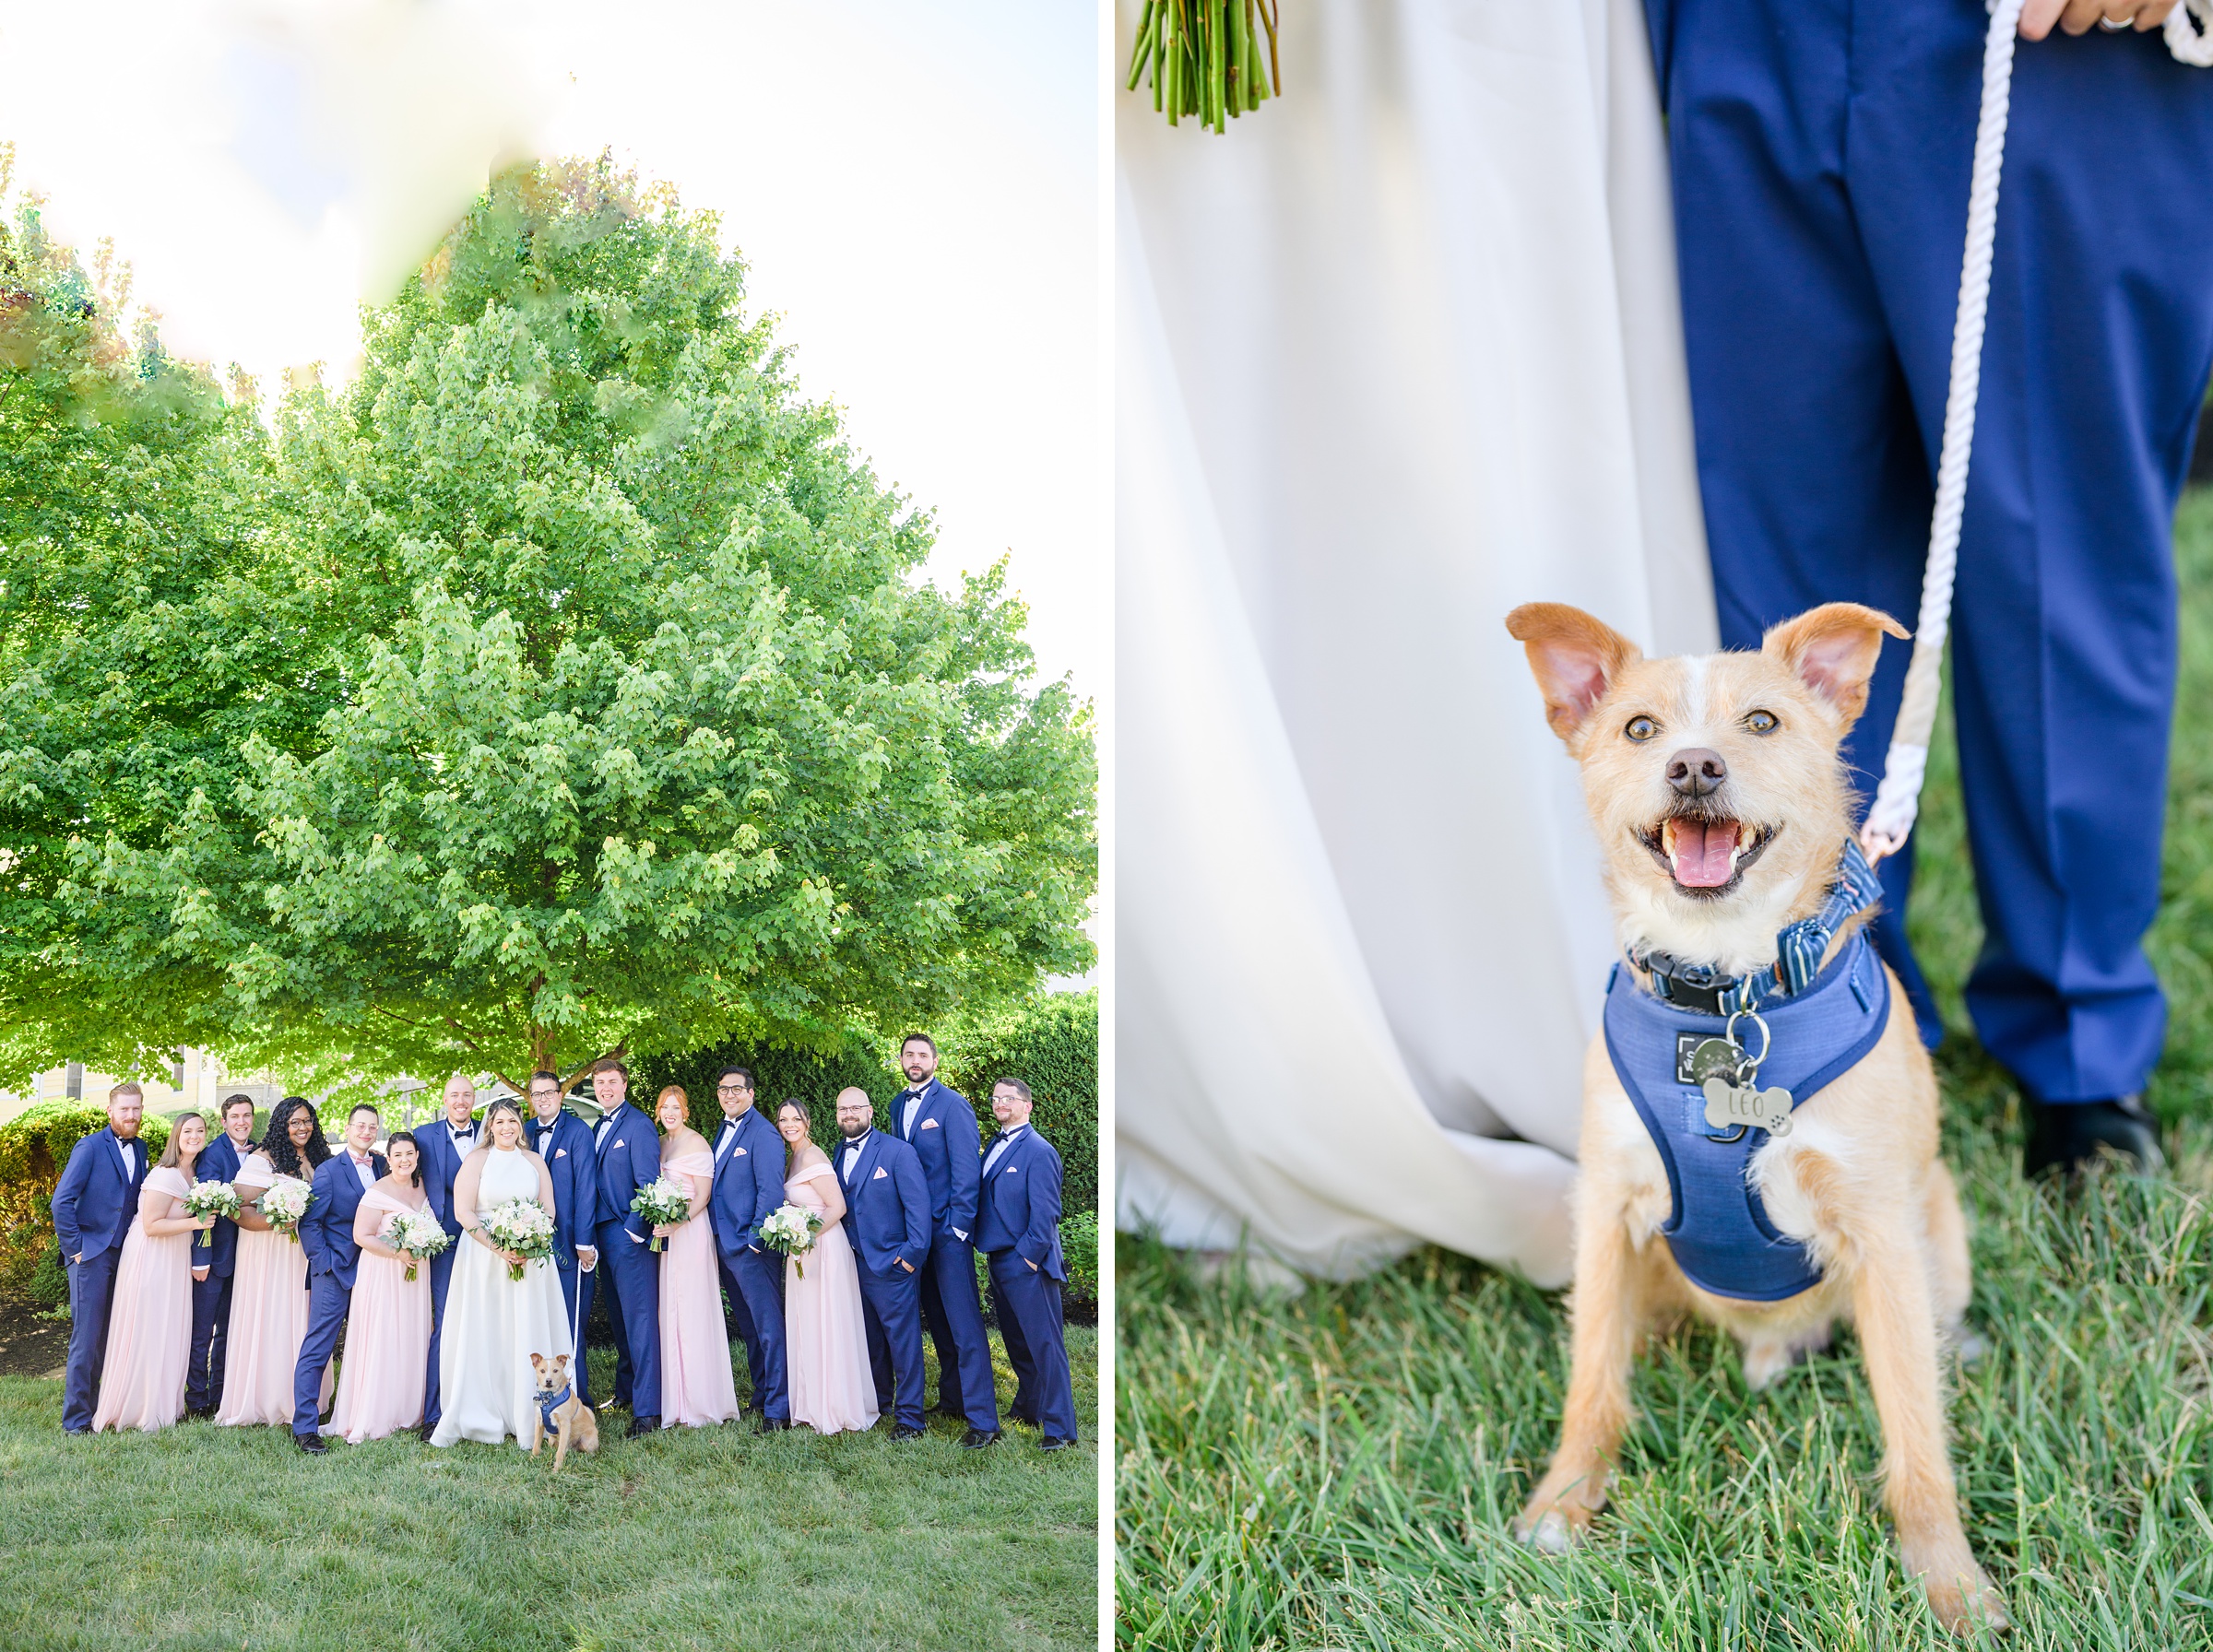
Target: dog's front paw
point(1968, 1602)
point(1552, 1528)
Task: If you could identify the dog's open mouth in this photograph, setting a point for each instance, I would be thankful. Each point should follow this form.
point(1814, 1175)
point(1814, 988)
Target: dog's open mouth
point(1704, 857)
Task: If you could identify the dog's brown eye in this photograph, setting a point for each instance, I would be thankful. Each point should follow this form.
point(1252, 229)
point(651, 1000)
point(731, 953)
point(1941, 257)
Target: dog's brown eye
point(1641, 729)
point(1762, 722)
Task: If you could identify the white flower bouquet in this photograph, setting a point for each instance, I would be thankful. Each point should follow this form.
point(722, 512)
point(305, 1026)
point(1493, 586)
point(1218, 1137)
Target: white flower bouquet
point(662, 1202)
point(204, 1200)
point(523, 1226)
point(283, 1205)
point(791, 1229)
point(417, 1235)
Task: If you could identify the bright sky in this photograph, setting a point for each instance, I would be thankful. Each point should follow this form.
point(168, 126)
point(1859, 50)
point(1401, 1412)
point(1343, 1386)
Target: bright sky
point(913, 184)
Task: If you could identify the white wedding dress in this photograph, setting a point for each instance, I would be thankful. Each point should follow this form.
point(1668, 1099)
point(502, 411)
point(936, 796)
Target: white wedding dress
point(493, 1324)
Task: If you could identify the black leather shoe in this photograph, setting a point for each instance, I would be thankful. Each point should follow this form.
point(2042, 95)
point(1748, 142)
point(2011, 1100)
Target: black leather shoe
point(425, 1431)
point(1055, 1443)
point(199, 1414)
point(771, 1425)
point(312, 1444)
point(2070, 1135)
point(978, 1438)
point(907, 1431)
point(642, 1426)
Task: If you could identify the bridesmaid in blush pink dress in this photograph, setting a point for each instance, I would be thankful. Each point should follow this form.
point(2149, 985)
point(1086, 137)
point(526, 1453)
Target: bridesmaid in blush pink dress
point(388, 1321)
point(697, 1385)
point(149, 1331)
point(268, 1280)
point(825, 1339)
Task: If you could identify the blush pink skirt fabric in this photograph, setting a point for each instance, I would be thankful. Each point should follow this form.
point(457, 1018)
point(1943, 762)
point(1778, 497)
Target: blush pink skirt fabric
point(387, 1341)
point(149, 1329)
point(697, 1385)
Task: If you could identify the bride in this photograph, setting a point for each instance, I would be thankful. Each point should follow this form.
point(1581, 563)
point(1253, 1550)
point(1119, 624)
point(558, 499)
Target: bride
point(495, 1324)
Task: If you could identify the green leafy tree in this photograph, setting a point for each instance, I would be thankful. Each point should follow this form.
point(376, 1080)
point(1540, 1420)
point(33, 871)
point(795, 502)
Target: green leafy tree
point(646, 735)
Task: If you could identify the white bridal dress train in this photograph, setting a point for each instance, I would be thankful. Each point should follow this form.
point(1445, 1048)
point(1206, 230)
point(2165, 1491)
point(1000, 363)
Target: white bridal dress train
point(486, 1390)
point(1395, 354)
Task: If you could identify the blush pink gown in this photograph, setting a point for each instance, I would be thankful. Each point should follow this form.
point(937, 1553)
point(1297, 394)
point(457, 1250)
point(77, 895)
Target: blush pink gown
point(825, 1340)
point(149, 1329)
point(697, 1385)
point(268, 1317)
point(387, 1335)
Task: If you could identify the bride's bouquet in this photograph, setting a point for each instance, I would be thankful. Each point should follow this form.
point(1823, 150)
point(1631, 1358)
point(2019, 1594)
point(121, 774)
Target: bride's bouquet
point(523, 1226)
point(284, 1204)
point(204, 1200)
point(791, 1229)
point(662, 1202)
point(417, 1235)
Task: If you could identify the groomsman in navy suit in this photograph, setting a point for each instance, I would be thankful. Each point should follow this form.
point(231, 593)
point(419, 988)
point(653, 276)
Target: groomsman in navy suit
point(940, 1125)
point(442, 1147)
point(887, 1206)
point(93, 1207)
point(629, 1149)
point(211, 1296)
point(327, 1235)
point(1020, 1231)
point(564, 1143)
point(749, 1186)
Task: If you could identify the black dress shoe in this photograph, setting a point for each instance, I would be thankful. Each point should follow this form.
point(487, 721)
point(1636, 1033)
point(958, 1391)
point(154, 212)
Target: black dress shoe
point(2070, 1135)
point(312, 1444)
point(642, 1426)
point(199, 1414)
point(978, 1438)
point(772, 1425)
point(907, 1431)
point(1055, 1443)
point(425, 1431)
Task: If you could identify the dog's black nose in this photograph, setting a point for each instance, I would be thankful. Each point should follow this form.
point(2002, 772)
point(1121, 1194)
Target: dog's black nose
point(1697, 772)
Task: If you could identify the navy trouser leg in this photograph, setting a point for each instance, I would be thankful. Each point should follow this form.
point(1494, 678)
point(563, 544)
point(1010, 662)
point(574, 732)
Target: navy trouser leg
point(91, 1294)
point(575, 1284)
point(955, 1315)
point(1025, 1409)
point(1031, 1300)
point(210, 1320)
point(327, 1300)
point(741, 1315)
point(1820, 150)
point(441, 1275)
point(760, 1276)
point(633, 1283)
point(892, 1308)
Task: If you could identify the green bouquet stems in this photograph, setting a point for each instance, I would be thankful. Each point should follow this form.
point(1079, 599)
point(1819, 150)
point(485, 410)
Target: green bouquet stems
point(1206, 57)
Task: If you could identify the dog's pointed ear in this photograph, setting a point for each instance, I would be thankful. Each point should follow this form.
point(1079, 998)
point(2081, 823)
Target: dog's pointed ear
point(538, 1361)
point(1832, 650)
point(1574, 657)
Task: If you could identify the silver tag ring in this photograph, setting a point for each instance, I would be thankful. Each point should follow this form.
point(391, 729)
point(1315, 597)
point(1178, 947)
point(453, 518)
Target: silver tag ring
point(1765, 1037)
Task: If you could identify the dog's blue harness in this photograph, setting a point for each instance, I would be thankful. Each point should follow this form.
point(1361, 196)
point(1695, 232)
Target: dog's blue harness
point(1819, 1025)
point(549, 1403)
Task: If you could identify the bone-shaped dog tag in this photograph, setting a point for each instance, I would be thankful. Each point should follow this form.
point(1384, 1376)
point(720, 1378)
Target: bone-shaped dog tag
point(1741, 1106)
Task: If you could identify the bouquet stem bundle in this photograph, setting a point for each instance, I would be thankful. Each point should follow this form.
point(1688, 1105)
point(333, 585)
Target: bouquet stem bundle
point(1206, 57)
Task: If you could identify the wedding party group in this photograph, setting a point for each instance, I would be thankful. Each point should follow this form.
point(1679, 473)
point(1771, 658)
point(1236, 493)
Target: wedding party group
point(219, 1282)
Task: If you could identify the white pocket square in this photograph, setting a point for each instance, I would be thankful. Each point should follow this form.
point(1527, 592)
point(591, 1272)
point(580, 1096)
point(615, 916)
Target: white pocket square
point(737, 1152)
point(930, 1124)
point(1012, 1169)
point(617, 1144)
point(881, 1173)
point(561, 1152)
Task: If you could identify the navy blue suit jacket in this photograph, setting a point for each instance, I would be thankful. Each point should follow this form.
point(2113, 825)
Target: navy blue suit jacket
point(749, 1182)
point(1021, 1204)
point(945, 1138)
point(441, 1164)
point(94, 1202)
point(629, 1157)
point(887, 1203)
point(566, 1147)
point(219, 1162)
point(327, 1231)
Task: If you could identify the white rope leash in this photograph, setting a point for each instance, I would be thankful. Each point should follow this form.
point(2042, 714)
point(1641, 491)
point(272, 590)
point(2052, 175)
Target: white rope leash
point(1897, 799)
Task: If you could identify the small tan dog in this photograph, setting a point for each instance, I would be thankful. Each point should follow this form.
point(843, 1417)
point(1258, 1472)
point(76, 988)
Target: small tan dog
point(1721, 809)
point(561, 1410)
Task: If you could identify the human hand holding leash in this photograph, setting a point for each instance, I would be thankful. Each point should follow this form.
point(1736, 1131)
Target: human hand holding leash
point(2077, 16)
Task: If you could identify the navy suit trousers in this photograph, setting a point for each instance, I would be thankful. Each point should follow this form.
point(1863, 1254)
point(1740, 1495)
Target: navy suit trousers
point(1820, 152)
point(955, 1315)
point(91, 1294)
point(441, 1274)
point(210, 1328)
point(575, 1282)
point(630, 1275)
point(327, 1300)
point(1029, 1319)
point(754, 1281)
point(891, 1310)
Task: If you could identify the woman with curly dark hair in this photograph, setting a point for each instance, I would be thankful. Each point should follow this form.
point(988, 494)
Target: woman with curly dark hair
point(269, 1278)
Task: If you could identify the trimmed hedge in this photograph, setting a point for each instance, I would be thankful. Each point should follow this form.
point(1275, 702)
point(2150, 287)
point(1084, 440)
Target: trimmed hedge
point(34, 1145)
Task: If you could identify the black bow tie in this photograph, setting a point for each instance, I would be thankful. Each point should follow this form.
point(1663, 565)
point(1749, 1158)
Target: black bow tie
point(462, 1129)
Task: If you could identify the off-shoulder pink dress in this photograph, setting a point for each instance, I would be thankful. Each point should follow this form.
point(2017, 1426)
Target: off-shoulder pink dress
point(387, 1333)
point(268, 1314)
point(697, 1386)
point(149, 1329)
point(825, 1339)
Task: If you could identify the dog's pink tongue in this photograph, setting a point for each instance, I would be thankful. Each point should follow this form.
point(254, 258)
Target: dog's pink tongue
point(1702, 850)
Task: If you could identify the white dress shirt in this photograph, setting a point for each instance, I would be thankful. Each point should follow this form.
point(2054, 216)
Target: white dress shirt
point(853, 1147)
point(364, 1168)
point(998, 1148)
point(722, 1140)
point(130, 1164)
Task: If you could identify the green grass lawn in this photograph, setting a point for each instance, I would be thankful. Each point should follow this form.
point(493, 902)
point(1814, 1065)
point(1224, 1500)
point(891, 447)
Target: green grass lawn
point(1337, 1470)
point(200, 1538)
